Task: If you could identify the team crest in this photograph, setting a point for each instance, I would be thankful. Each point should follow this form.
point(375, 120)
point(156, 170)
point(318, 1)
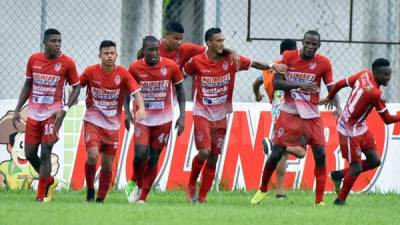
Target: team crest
point(225, 65)
point(57, 67)
point(383, 98)
point(163, 71)
point(117, 79)
point(200, 136)
point(313, 65)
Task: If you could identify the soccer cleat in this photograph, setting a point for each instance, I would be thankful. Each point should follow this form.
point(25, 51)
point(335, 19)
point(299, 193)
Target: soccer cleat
point(135, 195)
point(141, 202)
point(267, 145)
point(90, 195)
point(339, 202)
point(258, 198)
point(320, 204)
point(191, 195)
point(129, 188)
point(99, 200)
point(51, 188)
point(280, 196)
point(40, 200)
point(336, 178)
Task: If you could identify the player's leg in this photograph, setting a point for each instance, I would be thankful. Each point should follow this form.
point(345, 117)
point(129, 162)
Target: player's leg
point(107, 159)
point(159, 139)
point(280, 177)
point(348, 182)
point(207, 176)
point(92, 144)
point(202, 137)
point(319, 172)
point(33, 136)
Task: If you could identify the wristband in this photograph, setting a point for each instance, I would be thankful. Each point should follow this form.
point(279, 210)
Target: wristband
point(65, 108)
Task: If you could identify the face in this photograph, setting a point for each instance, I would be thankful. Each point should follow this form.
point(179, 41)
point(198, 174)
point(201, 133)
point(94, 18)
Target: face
point(216, 43)
point(383, 75)
point(311, 43)
point(108, 56)
point(152, 52)
point(52, 45)
point(173, 40)
point(18, 150)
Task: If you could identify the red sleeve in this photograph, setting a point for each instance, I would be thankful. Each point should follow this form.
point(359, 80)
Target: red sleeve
point(72, 74)
point(131, 71)
point(379, 102)
point(285, 58)
point(346, 82)
point(328, 74)
point(387, 118)
point(131, 84)
point(83, 79)
point(190, 67)
point(177, 76)
point(245, 63)
point(191, 49)
point(28, 72)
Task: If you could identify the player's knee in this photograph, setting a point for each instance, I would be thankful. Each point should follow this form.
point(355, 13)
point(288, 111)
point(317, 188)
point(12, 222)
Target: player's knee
point(355, 169)
point(203, 154)
point(107, 165)
point(212, 160)
point(376, 163)
point(140, 153)
point(91, 156)
point(153, 159)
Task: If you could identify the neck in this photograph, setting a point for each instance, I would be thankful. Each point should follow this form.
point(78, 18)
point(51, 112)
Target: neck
point(50, 56)
point(213, 55)
point(304, 56)
point(107, 68)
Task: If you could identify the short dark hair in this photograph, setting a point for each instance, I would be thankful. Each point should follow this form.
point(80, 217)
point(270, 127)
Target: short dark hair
point(12, 138)
point(174, 27)
point(50, 31)
point(210, 32)
point(149, 39)
point(287, 44)
point(312, 32)
point(381, 62)
point(106, 44)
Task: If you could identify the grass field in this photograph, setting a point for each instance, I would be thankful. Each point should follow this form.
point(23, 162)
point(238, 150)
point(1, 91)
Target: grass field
point(222, 208)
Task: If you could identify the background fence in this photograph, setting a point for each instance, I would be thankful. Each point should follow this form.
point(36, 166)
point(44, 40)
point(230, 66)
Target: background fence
point(354, 32)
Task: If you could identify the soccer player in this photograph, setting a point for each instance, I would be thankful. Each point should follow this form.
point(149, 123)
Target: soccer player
point(276, 99)
point(107, 84)
point(155, 75)
point(46, 74)
point(214, 74)
point(299, 117)
point(354, 135)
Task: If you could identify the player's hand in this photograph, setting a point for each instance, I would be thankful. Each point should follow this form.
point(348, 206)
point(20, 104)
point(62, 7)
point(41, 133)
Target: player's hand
point(60, 114)
point(259, 97)
point(16, 119)
point(279, 68)
point(311, 87)
point(128, 120)
point(180, 124)
point(140, 113)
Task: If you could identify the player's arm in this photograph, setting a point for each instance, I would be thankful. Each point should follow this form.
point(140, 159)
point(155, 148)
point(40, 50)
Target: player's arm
point(180, 93)
point(378, 101)
point(23, 97)
point(277, 67)
point(256, 88)
point(140, 111)
point(281, 84)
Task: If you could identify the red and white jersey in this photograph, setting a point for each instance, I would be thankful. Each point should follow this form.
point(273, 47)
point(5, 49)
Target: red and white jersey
point(48, 81)
point(214, 83)
point(185, 51)
point(313, 70)
point(156, 87)
point(105, 94)
point(365, 95)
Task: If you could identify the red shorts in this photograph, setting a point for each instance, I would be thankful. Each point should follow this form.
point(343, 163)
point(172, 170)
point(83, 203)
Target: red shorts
point(209, 135)
point(291, 128)
point(352, 147)
point(41, 131)
point(105, 140)
point(154, 136)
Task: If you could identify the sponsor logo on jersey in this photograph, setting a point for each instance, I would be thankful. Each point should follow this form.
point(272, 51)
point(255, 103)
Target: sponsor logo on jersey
point(215, 101)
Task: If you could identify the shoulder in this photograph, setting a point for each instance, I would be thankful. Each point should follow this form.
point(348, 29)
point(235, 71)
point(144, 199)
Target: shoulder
point(66, 58)
point(91, 68)
point(168, 62)
point(122, 70)
point(323, 59)
point(186, 45)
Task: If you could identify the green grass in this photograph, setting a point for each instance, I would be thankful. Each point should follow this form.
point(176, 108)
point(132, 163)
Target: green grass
point(222, 208)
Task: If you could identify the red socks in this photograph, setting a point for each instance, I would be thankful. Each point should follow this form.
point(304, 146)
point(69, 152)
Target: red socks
point(347, 185)
point(104, 183)
point(197, 165)
point(148, 179)
point(320, 178)
point(207, 178)
point(365, 167)
point(90, 172)
point(266, 176)
point(44, 182)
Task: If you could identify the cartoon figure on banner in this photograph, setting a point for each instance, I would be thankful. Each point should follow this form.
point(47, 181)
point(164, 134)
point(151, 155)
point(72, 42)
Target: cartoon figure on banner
point(16, 173)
